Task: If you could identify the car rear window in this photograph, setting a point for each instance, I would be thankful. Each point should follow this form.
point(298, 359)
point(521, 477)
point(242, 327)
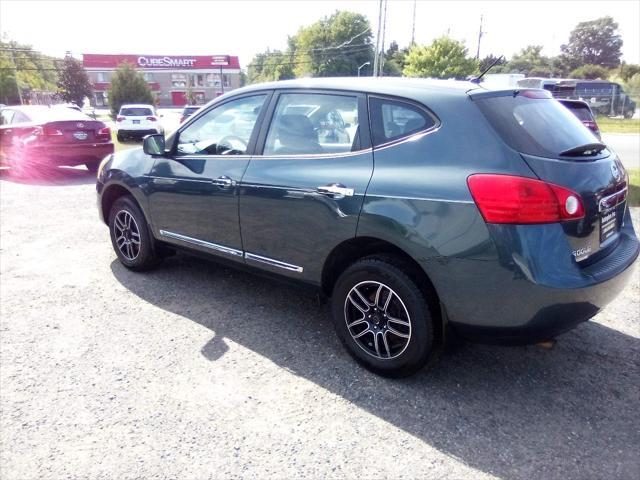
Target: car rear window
point(535, 126)
point(581, 111)
point(136, 112)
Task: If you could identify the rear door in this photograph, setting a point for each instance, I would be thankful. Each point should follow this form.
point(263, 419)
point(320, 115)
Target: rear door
point(193, 193)
point(561, 150)
point(302, 192)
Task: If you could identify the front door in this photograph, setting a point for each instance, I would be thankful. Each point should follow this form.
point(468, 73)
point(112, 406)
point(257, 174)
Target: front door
point(302, 195)
point(193, 192)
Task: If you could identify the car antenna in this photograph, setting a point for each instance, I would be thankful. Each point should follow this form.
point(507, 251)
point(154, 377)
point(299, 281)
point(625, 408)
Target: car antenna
point(479, 77)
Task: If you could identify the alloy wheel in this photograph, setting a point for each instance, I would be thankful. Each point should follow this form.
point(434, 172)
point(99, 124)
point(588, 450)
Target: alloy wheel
point(127, 235)
point(377, 320)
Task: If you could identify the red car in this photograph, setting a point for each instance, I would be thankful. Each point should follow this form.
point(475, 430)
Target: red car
point(52, 136)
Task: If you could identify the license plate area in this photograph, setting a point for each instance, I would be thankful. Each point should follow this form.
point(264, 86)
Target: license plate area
point(136, 122)
point(608, 224)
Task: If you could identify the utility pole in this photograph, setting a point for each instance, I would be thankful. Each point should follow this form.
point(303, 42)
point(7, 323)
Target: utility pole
point(15, 66)
point(413, 28)
point(480, 33)
point(376, 54)
point(384, 28)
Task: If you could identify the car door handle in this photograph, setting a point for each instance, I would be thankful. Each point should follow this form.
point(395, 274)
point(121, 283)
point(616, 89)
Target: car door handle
point(224, 182)
point(335, 189)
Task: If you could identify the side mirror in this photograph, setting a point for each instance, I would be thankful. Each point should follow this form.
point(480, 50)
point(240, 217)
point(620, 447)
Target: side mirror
point(154, 144)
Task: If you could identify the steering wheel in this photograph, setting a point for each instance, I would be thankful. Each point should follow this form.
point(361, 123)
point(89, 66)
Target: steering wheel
point(230, 142)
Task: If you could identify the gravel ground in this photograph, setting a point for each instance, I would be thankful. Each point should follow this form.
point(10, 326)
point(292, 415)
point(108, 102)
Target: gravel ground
point(198, 371)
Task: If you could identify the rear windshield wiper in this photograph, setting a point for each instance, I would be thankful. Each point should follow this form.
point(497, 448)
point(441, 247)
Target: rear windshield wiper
point(584, 150)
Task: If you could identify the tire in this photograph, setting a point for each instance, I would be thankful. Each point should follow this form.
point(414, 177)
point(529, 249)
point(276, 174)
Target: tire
point(125, 217)
point(92, 167)
point(629, 114)
point(120, 138)
point(409, 346)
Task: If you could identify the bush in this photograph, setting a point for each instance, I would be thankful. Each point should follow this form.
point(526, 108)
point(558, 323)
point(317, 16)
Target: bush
point(590, 72)
point(128, 86)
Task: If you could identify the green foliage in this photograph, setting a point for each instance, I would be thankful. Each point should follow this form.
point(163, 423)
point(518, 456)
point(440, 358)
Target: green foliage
point(394, 60)
point(487, 61)
point(34, 71)
point(128, 86)
point(628, 70)
point(270, 66)
point(73, 82)
point(333, 46)
point(530, 59)
point(444, 58)
point(596, 42)
point(590, 72)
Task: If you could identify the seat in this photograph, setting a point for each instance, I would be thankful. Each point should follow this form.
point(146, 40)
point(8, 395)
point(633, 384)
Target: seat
point(296, 135)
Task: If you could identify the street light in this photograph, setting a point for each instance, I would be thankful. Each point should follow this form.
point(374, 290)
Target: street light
point(363, 65)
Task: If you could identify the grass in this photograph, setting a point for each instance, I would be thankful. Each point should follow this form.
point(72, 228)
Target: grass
point(122, 146)
point(618, 125)
point(634, 188)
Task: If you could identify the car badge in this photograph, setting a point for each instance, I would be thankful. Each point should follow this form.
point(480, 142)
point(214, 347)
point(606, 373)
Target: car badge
point(615, 171)
point(80, 125)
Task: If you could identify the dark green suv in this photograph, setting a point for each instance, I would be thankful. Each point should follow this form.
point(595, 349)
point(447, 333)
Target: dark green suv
point(420, 208)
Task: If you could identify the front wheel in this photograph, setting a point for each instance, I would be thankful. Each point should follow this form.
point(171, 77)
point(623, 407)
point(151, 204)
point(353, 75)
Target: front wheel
point(382, 317)
point(130, 235)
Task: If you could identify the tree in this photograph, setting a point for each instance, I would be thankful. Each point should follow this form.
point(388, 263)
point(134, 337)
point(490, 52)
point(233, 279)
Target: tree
point(596, 42)
point(489, 60)
point(394, 60)
point(73, 81)
point(270, 66)
point(590, 72)
point(128, 86)
point(19, 65)
point(528, 59)
point(444, 58)
point(333, 46)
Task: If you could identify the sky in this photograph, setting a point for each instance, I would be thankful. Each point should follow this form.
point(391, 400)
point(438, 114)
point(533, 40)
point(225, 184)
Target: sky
point(245, 27)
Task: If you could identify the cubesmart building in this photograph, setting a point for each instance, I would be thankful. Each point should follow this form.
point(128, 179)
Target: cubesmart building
point(168, 76)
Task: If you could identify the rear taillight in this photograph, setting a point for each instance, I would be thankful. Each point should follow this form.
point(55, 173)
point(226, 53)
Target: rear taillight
point(152, 119)
point(120, 119)
point(104, 133)
point(521, 200)
point(47, 131)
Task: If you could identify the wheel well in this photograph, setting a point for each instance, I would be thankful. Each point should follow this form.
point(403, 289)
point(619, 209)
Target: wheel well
point(352, 250)
point(109, 197)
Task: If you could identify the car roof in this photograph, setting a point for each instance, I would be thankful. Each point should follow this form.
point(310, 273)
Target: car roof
point(40, 113)
point(137, 105)
point(381, 85)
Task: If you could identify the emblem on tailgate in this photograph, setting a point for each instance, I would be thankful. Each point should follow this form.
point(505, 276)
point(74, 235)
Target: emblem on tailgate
point(615, 171)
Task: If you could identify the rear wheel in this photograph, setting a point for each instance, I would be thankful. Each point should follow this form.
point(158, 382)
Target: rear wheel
point(130, 235)
point(382, 317)
point(120, 138)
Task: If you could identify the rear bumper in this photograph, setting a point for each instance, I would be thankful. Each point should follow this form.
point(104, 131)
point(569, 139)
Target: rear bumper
point(138, 133)
point(520, 300)
point(70, 155)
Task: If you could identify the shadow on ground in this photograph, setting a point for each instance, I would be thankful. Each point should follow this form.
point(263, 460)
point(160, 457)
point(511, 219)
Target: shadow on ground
point(525, 412)
point(48, 176)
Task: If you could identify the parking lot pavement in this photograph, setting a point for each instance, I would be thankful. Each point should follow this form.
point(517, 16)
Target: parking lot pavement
point(198, 371)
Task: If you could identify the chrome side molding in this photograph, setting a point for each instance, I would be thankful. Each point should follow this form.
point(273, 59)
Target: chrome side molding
point(231, 251)
point(202, 243)
point(273, 262)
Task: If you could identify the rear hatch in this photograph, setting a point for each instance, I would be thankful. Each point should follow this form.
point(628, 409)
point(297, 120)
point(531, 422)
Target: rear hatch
point(560, 150)
point(136, 118)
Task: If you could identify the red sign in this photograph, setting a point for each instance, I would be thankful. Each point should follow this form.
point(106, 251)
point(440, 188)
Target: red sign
point(157, 62)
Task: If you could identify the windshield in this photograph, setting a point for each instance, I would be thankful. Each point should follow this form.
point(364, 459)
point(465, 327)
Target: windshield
point(541, 127)
point(136, 112)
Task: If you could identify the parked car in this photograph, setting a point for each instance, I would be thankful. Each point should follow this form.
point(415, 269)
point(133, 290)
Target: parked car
point(39, 135)
point(188, 111)
point(451, 209)
point(583, 112)
point(137, 121)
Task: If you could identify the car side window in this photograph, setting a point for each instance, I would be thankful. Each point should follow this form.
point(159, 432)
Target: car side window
point(313, 123)
point(394, 119)
point(19, 117)
point(223, 130)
